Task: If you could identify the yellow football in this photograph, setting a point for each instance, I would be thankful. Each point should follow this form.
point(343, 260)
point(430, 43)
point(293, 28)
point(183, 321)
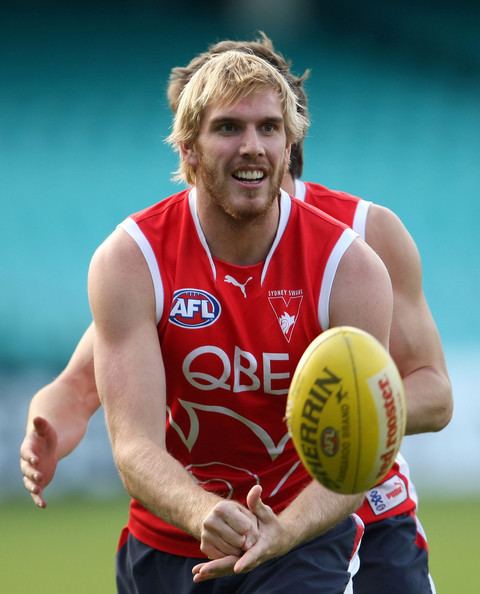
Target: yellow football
point(346, 410)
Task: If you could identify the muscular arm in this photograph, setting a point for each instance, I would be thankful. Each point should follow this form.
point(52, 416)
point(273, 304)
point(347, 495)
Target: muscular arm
point(131, 383)
point(361, 296)
point(414, 341)
point(57, 419)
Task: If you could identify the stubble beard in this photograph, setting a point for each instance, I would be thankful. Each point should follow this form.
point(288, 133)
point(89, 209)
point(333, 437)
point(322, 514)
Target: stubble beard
point(219, 194)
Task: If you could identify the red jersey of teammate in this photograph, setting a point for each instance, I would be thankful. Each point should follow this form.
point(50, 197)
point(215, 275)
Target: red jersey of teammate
point(396, 493)
point(231, 337)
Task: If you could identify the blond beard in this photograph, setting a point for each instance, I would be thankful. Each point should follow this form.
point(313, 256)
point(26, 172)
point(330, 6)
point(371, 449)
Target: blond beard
point(219, 196)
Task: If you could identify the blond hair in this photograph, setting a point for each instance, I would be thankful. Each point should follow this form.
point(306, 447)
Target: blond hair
point(226, 78)
point(262, 47)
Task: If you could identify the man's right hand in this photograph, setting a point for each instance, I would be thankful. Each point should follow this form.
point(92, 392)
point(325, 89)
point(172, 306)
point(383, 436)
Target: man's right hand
point(38, 459)
point(229, 529)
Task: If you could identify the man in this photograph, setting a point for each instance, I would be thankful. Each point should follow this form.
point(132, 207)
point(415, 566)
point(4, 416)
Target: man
point(409, 300)
point(221, 378)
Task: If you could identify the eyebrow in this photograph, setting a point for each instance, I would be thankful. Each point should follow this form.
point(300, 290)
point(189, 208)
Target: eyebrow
point(222, 119)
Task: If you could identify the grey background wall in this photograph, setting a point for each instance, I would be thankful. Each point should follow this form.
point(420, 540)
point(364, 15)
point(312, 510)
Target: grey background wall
point(394, 98)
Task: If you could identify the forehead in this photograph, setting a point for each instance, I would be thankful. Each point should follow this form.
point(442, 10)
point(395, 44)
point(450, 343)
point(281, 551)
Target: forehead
point(259, 105)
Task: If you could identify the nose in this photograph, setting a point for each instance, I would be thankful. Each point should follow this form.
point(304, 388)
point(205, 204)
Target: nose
point(251, 144)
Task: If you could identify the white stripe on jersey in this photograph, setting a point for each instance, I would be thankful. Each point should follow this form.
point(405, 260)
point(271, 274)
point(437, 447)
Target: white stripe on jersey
point(131, 227)
point(336, 255)
point(192, 203)
point(355, 561)
point(360, 217)
point(285, 208)
point(300, 190)
point(404, 469)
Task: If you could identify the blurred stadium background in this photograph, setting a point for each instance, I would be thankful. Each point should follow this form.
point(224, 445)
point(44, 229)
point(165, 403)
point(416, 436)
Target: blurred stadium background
point(394, 99)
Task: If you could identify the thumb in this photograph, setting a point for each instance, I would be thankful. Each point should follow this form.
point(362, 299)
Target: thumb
point(256, 505)
point(41, 426)
point(43, 429)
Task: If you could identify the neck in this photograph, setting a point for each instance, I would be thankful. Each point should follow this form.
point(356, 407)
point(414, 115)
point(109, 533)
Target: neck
point(240, 242)
point(288, 184)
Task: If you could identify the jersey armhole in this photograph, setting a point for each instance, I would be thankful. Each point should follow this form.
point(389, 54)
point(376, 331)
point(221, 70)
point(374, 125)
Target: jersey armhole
point(359, 224)
point(343, 243)
point(300, 190)
point(131, 227)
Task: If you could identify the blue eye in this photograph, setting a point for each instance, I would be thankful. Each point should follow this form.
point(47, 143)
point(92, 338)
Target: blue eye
point(227, 128)
point(269, 127)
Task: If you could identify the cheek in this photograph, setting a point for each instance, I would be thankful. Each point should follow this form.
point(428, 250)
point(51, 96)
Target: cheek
point(192, 160)
point(279, 151)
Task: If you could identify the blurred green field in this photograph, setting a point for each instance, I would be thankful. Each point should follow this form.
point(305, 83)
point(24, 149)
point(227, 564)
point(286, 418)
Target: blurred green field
point(69, 547)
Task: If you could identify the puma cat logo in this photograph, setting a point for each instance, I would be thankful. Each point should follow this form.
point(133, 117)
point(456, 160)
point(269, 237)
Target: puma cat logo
point(235, 283)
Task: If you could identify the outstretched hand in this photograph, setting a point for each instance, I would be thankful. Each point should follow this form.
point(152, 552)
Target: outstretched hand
point(38, 459)
point(271, 543)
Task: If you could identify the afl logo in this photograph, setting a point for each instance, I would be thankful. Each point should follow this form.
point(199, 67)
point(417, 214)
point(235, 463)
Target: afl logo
point(329, 441)
point(192, 308)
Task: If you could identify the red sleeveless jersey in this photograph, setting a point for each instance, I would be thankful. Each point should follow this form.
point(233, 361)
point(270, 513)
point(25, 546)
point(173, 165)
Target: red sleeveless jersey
point(344, 207)
point(231, 337)
point(396, 493)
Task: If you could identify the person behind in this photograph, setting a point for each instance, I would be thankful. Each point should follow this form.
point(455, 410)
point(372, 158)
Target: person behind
point(75, 387)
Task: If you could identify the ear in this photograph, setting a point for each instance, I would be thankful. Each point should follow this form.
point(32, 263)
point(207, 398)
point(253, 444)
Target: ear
point(288, 151)
point(189, 154)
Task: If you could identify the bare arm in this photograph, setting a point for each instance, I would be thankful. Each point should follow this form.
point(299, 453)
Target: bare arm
point(280, 534)
point(57, 419)
point(131, 383)
point(362, 297)
point(415, 342)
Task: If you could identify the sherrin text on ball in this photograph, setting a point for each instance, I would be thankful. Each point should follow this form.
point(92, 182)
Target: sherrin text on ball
point(346, 410)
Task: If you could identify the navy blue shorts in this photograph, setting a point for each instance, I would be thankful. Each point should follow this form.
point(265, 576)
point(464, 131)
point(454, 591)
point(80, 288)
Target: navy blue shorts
point(393, 558)
point(320, 565)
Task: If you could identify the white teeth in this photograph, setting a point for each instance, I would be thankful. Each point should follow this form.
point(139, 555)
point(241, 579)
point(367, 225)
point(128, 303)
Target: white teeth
point(249, 175)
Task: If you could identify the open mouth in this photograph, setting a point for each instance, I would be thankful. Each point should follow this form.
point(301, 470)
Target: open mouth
point(250, 176)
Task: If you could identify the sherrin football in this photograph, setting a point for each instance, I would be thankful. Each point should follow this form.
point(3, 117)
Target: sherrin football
point(346, 410)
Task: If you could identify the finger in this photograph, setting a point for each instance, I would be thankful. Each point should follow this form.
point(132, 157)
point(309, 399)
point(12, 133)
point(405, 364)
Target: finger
point(213, 546)
point(30, 471)
point(221, 530)
point(226, 527)
point(41, 426)
point(239, 519)
point(214, 569)
point(254, 494)
point(255, 504)
point(211, 551)
point(26, 452)
point(38, 500)
point(248, 561)
point(35, 492)
point(31, 486)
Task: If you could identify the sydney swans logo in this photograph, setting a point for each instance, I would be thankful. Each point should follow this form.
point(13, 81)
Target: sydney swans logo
point(286, 306)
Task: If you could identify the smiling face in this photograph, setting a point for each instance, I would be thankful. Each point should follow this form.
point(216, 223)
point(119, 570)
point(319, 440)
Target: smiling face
point(240, 155)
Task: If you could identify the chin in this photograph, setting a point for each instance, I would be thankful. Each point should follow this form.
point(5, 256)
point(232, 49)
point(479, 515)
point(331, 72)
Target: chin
point(251, 210)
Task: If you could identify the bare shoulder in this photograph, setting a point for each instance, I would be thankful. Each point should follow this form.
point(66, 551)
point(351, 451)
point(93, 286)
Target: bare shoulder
point(119, 282)
point(362, 292)
point(389, 238)
point(118, 250)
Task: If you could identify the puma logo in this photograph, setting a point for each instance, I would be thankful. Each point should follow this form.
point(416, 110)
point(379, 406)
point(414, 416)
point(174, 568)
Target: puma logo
point(235, 283)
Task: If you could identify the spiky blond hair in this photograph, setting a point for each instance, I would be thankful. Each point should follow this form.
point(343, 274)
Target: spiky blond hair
point(226, 78)
point(261, 46)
